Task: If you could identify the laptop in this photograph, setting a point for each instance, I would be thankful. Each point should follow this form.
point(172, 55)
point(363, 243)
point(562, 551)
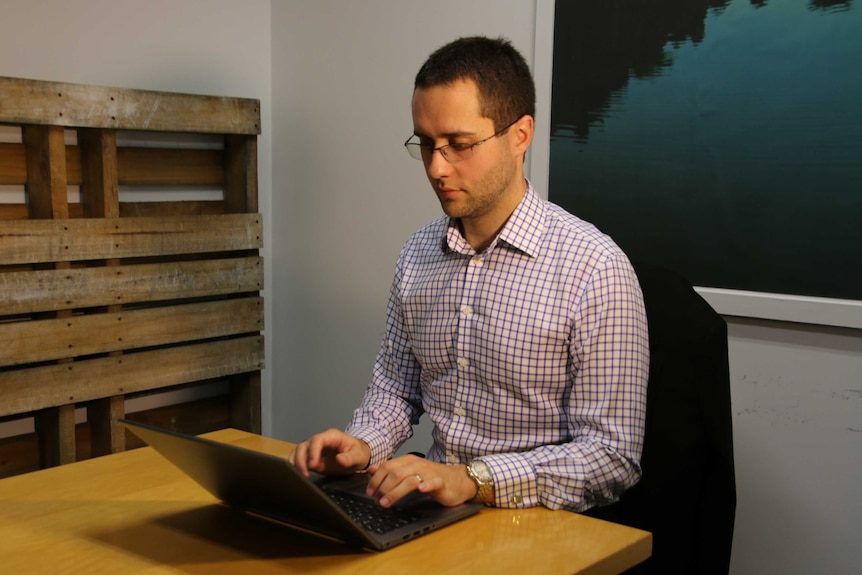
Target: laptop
point(271, 486)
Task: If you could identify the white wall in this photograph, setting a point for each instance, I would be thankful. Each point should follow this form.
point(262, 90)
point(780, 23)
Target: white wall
point(217, 47)
point(347, 195)
point(797, 405)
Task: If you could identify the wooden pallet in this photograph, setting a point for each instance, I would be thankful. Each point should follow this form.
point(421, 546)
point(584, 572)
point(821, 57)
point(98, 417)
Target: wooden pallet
point(108, 297)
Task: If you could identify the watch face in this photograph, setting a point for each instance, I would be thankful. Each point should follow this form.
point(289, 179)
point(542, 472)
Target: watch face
point(482, 471)
point(481, 475)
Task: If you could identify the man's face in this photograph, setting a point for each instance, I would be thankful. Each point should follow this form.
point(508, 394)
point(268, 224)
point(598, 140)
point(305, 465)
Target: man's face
point(473, 188)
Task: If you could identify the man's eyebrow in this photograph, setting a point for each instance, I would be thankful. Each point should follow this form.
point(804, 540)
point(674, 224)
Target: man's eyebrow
point(449, 135)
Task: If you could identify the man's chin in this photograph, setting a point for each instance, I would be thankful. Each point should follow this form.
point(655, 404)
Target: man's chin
point(452, 209)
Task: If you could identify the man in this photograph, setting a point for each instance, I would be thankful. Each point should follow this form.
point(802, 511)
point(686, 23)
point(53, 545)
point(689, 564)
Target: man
point(518, 328)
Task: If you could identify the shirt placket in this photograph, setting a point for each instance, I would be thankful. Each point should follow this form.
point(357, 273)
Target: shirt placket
point(465, 350)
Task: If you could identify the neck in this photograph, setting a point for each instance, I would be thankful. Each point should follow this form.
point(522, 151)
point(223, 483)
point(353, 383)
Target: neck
point(481, 231)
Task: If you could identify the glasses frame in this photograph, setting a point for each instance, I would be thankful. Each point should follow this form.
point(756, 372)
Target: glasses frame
point(444, 150)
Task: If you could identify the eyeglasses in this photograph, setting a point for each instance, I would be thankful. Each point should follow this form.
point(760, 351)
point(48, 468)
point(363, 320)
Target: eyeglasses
point(453, 153)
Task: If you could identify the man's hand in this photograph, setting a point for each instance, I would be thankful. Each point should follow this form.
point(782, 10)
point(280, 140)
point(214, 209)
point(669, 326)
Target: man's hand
point(448, 484)
point(331, 452)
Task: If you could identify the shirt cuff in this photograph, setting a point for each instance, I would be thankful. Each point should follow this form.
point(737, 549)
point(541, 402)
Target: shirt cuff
point(376, 441)
point(515, 480)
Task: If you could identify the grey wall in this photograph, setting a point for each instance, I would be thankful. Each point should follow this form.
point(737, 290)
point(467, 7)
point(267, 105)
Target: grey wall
point(346, 195)
point(797, 404)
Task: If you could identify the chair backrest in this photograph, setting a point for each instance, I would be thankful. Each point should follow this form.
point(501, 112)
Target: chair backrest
point(687, 495)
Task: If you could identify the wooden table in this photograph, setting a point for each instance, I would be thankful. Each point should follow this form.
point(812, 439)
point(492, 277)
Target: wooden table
point(133, 512)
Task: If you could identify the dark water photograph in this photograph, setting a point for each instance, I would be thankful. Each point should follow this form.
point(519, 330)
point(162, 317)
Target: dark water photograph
point(722, 139)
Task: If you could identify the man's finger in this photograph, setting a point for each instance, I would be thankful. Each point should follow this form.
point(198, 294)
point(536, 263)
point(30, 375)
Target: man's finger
point(299, 458)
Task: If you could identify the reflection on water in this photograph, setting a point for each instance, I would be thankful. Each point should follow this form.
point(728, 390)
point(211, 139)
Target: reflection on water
point(720, 137)
point(600, 44)
point(832, 5)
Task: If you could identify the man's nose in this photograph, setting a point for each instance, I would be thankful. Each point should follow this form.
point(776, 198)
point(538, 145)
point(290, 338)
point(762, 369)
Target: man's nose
point(437, 165)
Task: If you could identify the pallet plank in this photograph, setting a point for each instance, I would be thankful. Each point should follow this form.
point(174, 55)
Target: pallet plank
point(35, 341)
point(46, 172)
point(100, 195)
point(51, 290)
point(171, 167)
point(13, 164)
point(55, 428)
point(37, 241)
point(27, 101)
point(91, 379)
point(135, 166)
point(107, 434)
point(240, 174)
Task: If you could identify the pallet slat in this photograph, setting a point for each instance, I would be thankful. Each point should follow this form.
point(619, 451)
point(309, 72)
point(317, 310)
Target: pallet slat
point(13, 164)
point(134, 372)
point(98, 166)
point(63, 240)
point(10, 212)
point(170, 167)
point(52, 290)
point(135, 166)
point(78, 105)
point(46, 172)
point(37, 341)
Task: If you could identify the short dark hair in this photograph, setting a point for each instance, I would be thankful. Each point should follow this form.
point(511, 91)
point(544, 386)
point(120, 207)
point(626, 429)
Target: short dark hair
point(506, 88)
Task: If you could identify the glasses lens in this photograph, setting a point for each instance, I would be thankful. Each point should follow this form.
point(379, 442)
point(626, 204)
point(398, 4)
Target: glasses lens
point(458, 154)
point(452, 153)
point(414, 149)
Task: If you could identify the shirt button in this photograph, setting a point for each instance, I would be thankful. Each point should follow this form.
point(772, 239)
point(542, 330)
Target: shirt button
point(462, 362)
point(452, 459)
point(477, 261)
point(466, 310)
point(459, 411)
point(517, 500)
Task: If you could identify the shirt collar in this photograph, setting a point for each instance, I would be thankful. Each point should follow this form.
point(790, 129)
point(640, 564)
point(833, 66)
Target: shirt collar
point(523, 230)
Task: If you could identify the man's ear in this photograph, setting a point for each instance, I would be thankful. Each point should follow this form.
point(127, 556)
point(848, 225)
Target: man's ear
point(522, 134)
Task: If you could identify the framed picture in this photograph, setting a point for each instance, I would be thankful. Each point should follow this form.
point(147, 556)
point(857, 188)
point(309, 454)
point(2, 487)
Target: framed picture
point(720, 138)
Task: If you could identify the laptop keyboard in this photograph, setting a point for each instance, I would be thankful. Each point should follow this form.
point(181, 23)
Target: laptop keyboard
point(372, 516)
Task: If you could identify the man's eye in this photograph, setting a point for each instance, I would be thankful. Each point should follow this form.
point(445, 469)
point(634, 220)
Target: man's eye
point(459, 147)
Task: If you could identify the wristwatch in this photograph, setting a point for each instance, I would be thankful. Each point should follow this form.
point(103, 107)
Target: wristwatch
point(481, 475)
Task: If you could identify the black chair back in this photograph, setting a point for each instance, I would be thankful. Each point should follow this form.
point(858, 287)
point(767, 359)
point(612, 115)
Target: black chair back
point(687, 495)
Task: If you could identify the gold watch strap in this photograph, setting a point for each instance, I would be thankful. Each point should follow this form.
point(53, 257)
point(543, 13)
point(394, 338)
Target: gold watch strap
point(484, 482)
